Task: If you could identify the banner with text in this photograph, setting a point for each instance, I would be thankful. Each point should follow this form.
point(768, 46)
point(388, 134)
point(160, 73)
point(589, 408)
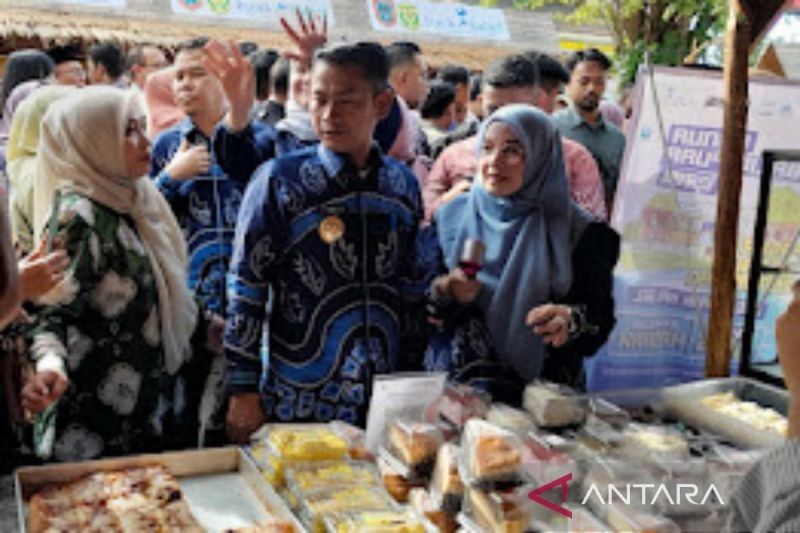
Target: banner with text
point(267, 12)
point(117, 4)
point(446, 19)
point(666, 210)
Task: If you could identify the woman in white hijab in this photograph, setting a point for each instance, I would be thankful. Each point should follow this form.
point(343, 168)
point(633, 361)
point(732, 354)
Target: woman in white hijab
point(110, 350)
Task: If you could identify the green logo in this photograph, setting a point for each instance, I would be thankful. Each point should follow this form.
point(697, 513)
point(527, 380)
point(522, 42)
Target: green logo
point(219, 7)
point(409, 16)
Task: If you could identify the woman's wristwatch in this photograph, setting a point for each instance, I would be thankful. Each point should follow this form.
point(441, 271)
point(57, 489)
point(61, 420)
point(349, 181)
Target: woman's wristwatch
point(578, 324)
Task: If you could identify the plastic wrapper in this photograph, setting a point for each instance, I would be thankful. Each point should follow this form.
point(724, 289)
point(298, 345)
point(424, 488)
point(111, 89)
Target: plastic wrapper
point(621, 517)
point(356, 439)
point(583, 520)
point(552, 405)
point(265, 460)
point(401, 521)
point(509, 418)
point(491, 455)
point(414, 443)
point(306, 442)
point(607, 412)
point(496, 512)
point(315, 507)
point(458, 404)
point(303, 478)
point(727, 466)
point(653, 444)
point(547, 458)
point(423, 503)
point(446, 484)
point(394, 477)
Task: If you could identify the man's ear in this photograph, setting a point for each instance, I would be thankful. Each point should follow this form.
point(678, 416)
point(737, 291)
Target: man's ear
point(383, 102)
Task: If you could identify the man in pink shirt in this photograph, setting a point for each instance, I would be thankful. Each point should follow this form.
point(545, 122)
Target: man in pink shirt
point(534, 79)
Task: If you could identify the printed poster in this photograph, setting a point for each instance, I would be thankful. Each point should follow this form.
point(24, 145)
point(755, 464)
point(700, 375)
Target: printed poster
point(268, 12)
point(446, 19)
point(667, 220)
point(97, 3)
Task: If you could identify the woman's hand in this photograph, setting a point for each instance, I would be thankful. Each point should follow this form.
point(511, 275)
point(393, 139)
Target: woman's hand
point(787, 336)
point(42, 389)
point(39, 272)
point(457, 286)
point(551, 321)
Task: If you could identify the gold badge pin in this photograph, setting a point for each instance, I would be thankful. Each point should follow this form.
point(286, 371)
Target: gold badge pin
point(331, 229)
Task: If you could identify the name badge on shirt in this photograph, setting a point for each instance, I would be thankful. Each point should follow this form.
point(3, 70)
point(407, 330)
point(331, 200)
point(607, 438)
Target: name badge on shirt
point(331, 229)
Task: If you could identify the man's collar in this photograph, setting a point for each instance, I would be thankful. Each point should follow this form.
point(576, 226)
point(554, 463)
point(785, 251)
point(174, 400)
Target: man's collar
point(334, 163)
point(186, 126)
point(575, 119)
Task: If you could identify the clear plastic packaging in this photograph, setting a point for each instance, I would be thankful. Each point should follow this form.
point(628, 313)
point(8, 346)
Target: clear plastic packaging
point(401, 521)
point(303, 478)
point(356, 439)
point(583, 520)
point(509, 418)
point(496, 512)
point(394, 477)
point(422, 502)
point(315, 507)
point(607, 412)
point(446, 484)
point(653, 444)
point(547, 458)
point(458, 404)
point(265, 460)
point(621, 517)
point(490, 454)
point(306, 442)
point(552, 405)
point(415, 443)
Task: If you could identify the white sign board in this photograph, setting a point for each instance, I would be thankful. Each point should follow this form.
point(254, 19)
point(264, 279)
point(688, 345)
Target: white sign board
point(263, 12)
point(118, 4)
point(666, 210)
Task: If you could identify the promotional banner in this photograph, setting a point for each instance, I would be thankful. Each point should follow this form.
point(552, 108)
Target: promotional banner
point(446, 19)
point(261, 11)
point(665, 211)
point(97, 3)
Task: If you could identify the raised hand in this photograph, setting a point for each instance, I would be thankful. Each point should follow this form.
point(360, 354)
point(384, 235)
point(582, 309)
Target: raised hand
point(235, 73)
point(307, 38)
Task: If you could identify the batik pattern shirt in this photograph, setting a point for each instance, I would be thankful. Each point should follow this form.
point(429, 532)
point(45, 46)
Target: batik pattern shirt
point(206, 207)
point(313, 316)
point(102, 328)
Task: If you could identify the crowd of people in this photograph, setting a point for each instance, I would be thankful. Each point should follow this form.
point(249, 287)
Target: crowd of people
point(214, 236)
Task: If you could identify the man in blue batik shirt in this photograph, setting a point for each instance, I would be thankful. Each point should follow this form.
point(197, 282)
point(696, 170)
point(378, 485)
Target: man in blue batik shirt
point(203, 198)
point(323, 291)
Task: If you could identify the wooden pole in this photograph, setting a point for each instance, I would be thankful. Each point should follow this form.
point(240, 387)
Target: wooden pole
point(723, 280)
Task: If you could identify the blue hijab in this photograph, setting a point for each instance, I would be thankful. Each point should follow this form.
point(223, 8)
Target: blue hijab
point(529, 238)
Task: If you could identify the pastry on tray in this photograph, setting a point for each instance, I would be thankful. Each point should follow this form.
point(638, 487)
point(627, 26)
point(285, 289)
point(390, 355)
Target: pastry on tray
point(493, 454)
point(414, 443)
point(446, 483)
point(495, 512)
point(750, 413)
point(551, 405)
point(135, 499)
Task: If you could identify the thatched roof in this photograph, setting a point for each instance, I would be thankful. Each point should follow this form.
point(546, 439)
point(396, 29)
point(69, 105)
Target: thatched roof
point(26, 27)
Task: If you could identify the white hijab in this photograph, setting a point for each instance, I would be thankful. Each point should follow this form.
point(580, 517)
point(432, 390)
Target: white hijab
point(81, 150)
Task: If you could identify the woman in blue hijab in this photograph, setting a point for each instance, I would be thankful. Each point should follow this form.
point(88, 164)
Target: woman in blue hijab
point(543, 298)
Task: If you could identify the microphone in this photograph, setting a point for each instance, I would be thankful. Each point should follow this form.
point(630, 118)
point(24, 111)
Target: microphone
point(471, 261)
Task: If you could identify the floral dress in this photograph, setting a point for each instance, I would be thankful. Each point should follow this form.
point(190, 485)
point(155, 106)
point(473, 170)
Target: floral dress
point(103, 326)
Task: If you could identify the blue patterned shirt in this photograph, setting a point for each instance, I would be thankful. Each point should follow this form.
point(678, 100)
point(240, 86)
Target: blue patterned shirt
point(312, 320)
point(206, 208)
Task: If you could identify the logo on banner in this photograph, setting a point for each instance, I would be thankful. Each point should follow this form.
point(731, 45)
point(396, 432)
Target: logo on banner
point(219, 7)
point(192, 5)
point(409, 16)
point(384, 12)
